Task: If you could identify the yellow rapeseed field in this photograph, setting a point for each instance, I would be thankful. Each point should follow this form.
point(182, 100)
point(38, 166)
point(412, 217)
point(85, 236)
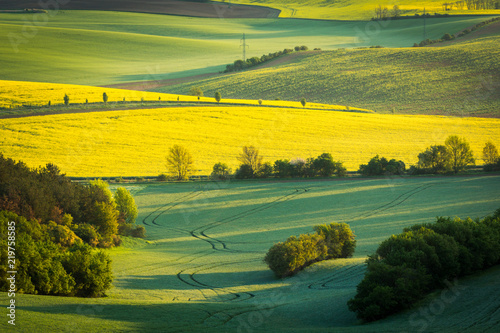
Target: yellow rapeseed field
point(135, 142)
point(18, 93)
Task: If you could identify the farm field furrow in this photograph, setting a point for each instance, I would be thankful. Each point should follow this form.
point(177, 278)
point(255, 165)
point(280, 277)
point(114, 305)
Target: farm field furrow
point(135, 142)
point(176, 281)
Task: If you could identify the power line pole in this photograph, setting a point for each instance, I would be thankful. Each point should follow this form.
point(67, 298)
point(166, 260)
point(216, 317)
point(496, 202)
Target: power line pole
point(425, 32)
point(244, 45)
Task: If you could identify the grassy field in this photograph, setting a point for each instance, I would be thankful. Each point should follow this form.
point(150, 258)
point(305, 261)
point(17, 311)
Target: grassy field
point(103, 48)
point(201, 267)
point(355, 10)
point(135, 142)
point(460, 78)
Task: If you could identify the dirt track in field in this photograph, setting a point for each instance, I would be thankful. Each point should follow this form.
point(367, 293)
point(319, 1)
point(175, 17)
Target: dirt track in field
point(186, 8)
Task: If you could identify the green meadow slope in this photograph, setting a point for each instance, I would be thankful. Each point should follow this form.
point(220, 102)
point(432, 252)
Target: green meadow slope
point(201, 268)
point(104, 48)
point(356, 9)
point(460, 78)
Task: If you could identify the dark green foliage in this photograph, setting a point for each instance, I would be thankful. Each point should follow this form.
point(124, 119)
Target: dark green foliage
point(381, 166)
point(282, 168)
point(139, 231)
point(448, 37)
point(66, 99)
point(220, 172)
point(239, 65)
point(265, 171)
point(329, 242)
point(291, 256)
point(105, 98)
point(303, 102)
point(245, 171)
point(435, 159)
point(64, 208)
point(162, 178)
point(127, 209)
point(387, 289)
point(459, 152)
point(249, 158)
point(325, 166)
point(218, 96)
point(339, 239)
point(49, 268)
point(91, 270)
point(408, 266)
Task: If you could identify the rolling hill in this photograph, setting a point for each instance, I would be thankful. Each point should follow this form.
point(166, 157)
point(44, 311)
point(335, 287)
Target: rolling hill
point(458, 78)
point(357, 9)
point(201, 269)
point(104, 48)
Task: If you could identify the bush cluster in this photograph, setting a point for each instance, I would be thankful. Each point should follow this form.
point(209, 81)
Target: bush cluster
point(381, 166)
point(454, 156)
point(322, 166)
point(239, 65)
point(51, 260)
point(92, 212)
point(329, 242)
point(424, 257)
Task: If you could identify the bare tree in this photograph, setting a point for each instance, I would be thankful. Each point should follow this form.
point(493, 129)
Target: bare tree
point(180, 162)
point(250, 156)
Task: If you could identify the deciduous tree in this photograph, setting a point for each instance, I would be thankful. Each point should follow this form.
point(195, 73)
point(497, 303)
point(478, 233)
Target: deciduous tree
point(180, 162)
point(490, 153)
point(460, 152)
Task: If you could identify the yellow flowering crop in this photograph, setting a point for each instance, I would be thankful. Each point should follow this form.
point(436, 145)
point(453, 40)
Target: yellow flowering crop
point(135, 142)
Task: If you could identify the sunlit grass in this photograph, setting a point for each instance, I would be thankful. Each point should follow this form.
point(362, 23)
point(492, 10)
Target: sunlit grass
point(153, 289)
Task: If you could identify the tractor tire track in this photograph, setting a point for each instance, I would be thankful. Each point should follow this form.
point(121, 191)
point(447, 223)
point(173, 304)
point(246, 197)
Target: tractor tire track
point(214, 241)
point(394, 203)
point(163, 206)
point(197, 284)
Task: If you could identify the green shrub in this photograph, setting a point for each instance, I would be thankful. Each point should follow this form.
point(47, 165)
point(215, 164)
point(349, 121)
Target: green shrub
point(407, 266)
point(287, 258)
point(330, 241)
point(339, 239)
point(381, 166)
point(138, 232)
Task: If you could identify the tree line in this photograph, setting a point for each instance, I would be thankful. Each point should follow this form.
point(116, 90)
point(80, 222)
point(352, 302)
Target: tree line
point(454, 156)
point(239, 64)
point(58, 223)
point(447, 37)
point(425, 257)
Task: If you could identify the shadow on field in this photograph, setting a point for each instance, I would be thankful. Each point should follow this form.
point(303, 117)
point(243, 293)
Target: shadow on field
point(190, 279)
